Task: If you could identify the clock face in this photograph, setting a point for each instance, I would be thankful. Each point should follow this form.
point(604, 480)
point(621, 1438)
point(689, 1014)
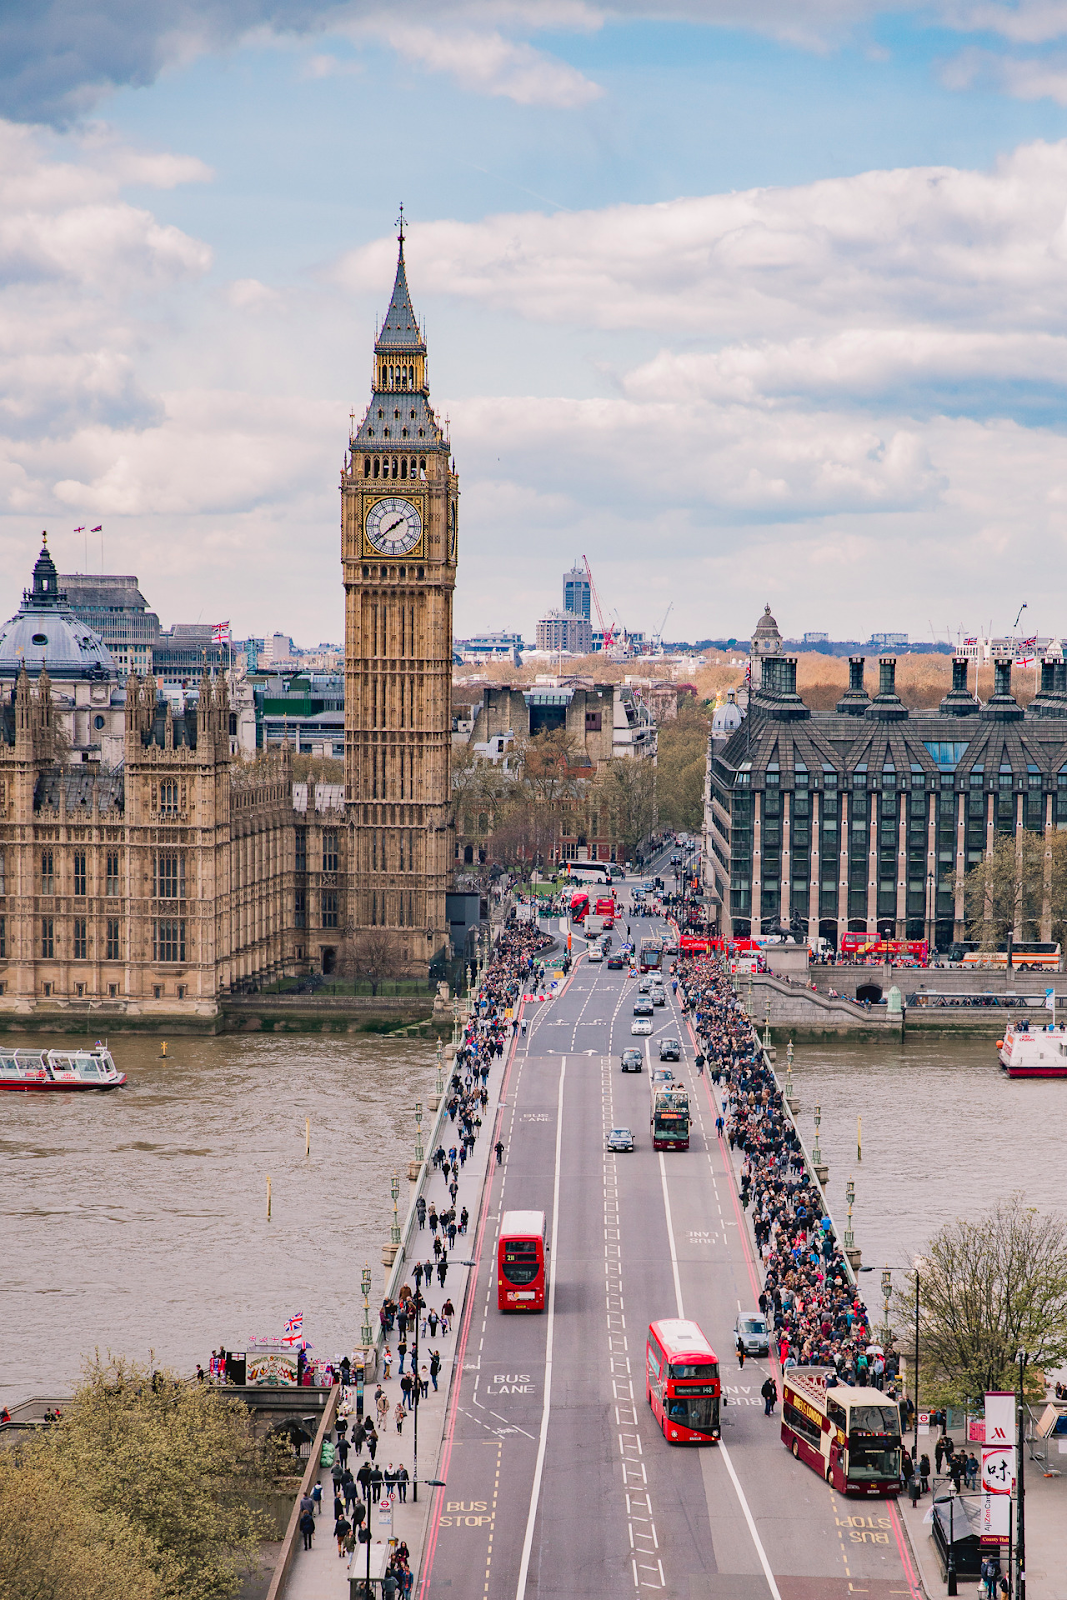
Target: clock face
point(394, 526)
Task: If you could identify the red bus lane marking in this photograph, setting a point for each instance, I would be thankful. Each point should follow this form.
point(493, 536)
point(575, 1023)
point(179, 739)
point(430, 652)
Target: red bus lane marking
point(461, 1344)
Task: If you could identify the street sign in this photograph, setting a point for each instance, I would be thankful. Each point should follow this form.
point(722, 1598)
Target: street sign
point(385, 1511)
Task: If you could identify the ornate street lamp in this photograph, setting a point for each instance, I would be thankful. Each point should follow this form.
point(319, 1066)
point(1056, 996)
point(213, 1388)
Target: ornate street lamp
point(394, 1186)
point(365, 1335)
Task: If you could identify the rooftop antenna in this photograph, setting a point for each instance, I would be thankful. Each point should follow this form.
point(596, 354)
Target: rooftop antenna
point(400, 225)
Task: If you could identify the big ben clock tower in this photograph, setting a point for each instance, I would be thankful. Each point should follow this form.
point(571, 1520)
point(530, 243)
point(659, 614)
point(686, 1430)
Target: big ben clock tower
point(399, 499)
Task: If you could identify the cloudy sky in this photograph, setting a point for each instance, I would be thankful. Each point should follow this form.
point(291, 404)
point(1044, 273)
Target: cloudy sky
point(744, 302)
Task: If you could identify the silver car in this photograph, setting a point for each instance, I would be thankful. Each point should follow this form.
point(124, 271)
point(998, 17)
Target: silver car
point(620, 1139)
point(753, 1329)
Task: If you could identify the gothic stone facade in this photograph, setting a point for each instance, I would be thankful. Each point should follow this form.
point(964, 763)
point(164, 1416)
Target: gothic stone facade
point(164, 883)
point(400, 499)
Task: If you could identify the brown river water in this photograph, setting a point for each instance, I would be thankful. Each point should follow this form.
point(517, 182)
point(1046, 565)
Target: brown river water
point(945, 1134)
point(136, 1220)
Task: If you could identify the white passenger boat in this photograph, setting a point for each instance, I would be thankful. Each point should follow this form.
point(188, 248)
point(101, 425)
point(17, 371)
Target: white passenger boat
point(1029, 1052)
point(42, 1071)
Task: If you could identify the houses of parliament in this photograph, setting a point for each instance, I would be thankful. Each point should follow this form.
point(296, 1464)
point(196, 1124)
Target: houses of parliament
point(146, 867)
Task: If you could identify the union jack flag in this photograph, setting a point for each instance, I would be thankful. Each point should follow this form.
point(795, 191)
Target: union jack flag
point(294, 1329)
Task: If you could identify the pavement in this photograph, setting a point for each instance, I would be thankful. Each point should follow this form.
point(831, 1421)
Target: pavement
point(319, 1574)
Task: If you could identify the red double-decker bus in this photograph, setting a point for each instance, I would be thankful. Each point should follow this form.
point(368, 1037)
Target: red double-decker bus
point(873, 947)
point(521, 1262)
point(579, 906)
point(682, 1382)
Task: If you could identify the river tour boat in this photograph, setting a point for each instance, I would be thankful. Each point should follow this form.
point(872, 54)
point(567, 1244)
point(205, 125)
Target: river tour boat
point(1027, 1051)
point(44, 1071)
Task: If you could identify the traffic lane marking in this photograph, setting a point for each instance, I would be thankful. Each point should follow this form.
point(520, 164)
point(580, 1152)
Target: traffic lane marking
point(751, 1456)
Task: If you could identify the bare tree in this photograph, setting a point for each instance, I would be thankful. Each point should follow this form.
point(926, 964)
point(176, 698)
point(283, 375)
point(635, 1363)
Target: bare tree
point(987, 1290)
point(375, 954)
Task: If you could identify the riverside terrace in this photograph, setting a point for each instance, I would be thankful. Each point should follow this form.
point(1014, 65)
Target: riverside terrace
point(856, 819)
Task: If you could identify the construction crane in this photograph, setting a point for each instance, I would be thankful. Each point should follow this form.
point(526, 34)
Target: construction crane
point(607, 629)
point(657, 637)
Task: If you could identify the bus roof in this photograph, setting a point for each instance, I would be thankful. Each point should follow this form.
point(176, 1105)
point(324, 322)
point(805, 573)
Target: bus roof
point(522, 1224)
point(682, 1338)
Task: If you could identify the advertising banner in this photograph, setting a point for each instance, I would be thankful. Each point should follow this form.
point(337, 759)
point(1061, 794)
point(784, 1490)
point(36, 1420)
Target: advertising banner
point(995, 1524)
point(1000, 1418)
point(998, 1471)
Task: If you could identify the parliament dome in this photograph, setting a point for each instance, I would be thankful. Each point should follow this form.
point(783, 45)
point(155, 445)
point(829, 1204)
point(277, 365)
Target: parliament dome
point(46, 633)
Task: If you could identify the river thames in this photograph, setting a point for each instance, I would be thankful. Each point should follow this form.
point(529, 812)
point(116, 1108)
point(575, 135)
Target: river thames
point(945, 1134)
point(136, 1220)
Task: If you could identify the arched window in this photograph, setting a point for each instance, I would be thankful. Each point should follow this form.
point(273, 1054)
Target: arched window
point(404, 377)
point(403, 466)
point(414, 468)
point(422, 468)
point(366, 466)
point(377, 466)
point(396, 467)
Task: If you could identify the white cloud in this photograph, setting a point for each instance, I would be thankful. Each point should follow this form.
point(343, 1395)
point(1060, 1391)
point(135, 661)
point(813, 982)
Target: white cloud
point(485, 62)
point(843, 370)
point(938, 243)
point(1021, 21)
point(248, 294)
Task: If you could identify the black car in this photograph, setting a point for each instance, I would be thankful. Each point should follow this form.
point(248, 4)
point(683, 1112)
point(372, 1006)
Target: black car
point(670, 1050)
point(633, 1060)
point(616, 962)
point(642, 1008)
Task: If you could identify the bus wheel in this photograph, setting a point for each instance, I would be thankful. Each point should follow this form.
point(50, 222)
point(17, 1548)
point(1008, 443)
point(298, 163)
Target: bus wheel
point(796, 1450)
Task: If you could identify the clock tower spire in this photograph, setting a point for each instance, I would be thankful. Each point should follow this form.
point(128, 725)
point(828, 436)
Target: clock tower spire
point(399, 499)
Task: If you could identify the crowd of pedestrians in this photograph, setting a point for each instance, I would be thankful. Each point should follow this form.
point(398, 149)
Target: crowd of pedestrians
point(817, 1317)
point(411, 1361)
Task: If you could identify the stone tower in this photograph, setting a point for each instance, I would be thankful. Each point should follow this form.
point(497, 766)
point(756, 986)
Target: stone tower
point(399, 499)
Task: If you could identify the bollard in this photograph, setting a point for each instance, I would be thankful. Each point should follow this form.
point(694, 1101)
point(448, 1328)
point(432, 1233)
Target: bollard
point(307, 1136)
point(163, 1050)
point(268, 1196)
point(859, 1138)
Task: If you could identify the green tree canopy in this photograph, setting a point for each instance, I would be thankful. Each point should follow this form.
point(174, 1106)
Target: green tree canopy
point(987, 1290)
point(54, 1545)
point(682, 752)
point(174, 1466)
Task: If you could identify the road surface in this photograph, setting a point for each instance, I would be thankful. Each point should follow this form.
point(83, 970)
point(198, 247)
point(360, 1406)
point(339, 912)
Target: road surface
point(559, 1482)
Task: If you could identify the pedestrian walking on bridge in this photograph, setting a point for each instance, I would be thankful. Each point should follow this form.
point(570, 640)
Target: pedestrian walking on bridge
point(770, 1397)
point(740, 1352)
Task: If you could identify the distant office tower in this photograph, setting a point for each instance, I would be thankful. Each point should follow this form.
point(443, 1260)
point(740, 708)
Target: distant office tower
point(560, 630)
point(114, 607)
point(576, 599)
point(816, 638)
point(889, 641)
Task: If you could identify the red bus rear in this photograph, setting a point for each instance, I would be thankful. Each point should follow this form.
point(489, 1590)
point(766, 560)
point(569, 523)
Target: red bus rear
point(606, 908)
point(521, 1261)
point(579, 905)
point(682, 1382)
